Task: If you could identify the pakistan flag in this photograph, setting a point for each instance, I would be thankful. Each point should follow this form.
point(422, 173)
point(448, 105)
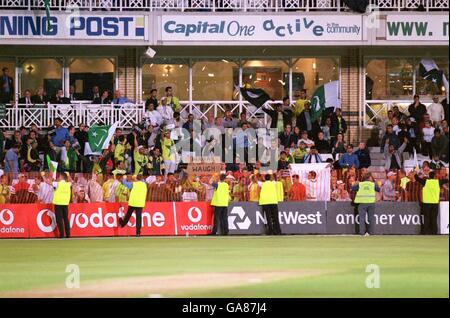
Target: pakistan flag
point(325, 96)
point(99, 138)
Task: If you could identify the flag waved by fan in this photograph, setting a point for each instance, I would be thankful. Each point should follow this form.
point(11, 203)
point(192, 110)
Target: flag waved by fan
point(99, 139)
point(255, 96)
point(326, 96)
point(429, 70)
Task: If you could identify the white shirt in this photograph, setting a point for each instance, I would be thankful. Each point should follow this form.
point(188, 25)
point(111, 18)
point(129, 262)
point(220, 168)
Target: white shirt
point(154, 117)
point(436, 112)
point(428, 134)
point(45, 193)
point(166, 113)
point(311, 189)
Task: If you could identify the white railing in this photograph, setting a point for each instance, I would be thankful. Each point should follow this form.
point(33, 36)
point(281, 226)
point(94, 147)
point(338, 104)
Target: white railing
point(218, 5)
point(375, 111)
point(43, 116)
point(127, 115)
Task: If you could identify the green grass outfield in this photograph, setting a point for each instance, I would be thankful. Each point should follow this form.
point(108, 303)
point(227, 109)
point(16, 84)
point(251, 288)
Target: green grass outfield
point(410, 266)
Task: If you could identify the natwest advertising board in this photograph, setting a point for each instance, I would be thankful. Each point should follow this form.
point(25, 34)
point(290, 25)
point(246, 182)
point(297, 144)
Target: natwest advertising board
point(101, 219)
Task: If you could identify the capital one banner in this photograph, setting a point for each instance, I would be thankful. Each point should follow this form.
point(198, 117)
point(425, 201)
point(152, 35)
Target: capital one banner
point(101, 219)
point(29, 25)
point(250, 28)
point(412, 27)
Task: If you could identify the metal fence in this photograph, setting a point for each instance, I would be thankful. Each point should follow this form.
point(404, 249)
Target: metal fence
point(218, 5)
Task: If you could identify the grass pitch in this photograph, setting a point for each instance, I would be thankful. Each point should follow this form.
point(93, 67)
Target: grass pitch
point(286, 266)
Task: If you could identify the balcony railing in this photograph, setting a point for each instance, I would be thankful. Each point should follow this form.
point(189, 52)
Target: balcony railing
point(218, 5)
point(126, 115)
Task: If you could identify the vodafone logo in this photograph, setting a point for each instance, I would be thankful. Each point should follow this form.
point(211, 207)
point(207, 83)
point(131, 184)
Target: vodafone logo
point(194, 214)
point(40, 222)
point(6, 221)
point(6, 217)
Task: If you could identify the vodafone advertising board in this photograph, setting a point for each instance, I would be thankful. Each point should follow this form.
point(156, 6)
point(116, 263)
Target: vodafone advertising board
point(101, 219)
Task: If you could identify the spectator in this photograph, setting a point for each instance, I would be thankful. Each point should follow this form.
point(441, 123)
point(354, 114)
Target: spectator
point(95, 93)
point(413, 189)
point(81, 196)
point(254, 189)
point(22, 185)
point(172, 101)
point(5, 192)
point(39, 97)
point(15, 140)
point(305, 139)
point(166, 112)
point(392, 157)
point(69, 157)
point(44, 189)
point(391, 137)
point(389, 193)
point(349, 159)
point(305, 122)
point(312, 186)
point(6, 87)
point(439, 146)
point(72, 95)
point(33, 160)
point(300, 152)
point(340, 194)
point(283, 163)
point(279, 117)
point(436, 111)
point(327, 129)
point(60, 134)
point(300, 103)
point(298, 190)
point(153, 99)
point(25, 101)
point(321, 144)
point(168, 153)
point(239, 192)
point(363, 155)
point(417, 109)
point(398, 114)
point(428, 134)
point(60, 98)
point(11, 163)
point(229, 121)
point(103, 100)
point(156, 163)
point(119, 99)
point(339, 147)
point(338, 124)
point(287, 137)
point(94, 189)
point(313, 156)
point(296, 136)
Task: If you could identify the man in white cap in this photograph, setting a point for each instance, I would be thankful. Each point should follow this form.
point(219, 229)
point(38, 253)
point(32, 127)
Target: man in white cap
point(436, 111)
point(389, 193)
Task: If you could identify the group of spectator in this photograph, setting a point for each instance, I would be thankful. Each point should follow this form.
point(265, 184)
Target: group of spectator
point(424, 131)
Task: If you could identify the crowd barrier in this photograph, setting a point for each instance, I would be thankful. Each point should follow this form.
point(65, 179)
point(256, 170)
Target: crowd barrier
point(196, 218)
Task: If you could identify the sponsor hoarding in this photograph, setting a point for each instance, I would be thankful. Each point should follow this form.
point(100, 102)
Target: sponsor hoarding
point(417, 27)
point(251, 28)
point(79, 26)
